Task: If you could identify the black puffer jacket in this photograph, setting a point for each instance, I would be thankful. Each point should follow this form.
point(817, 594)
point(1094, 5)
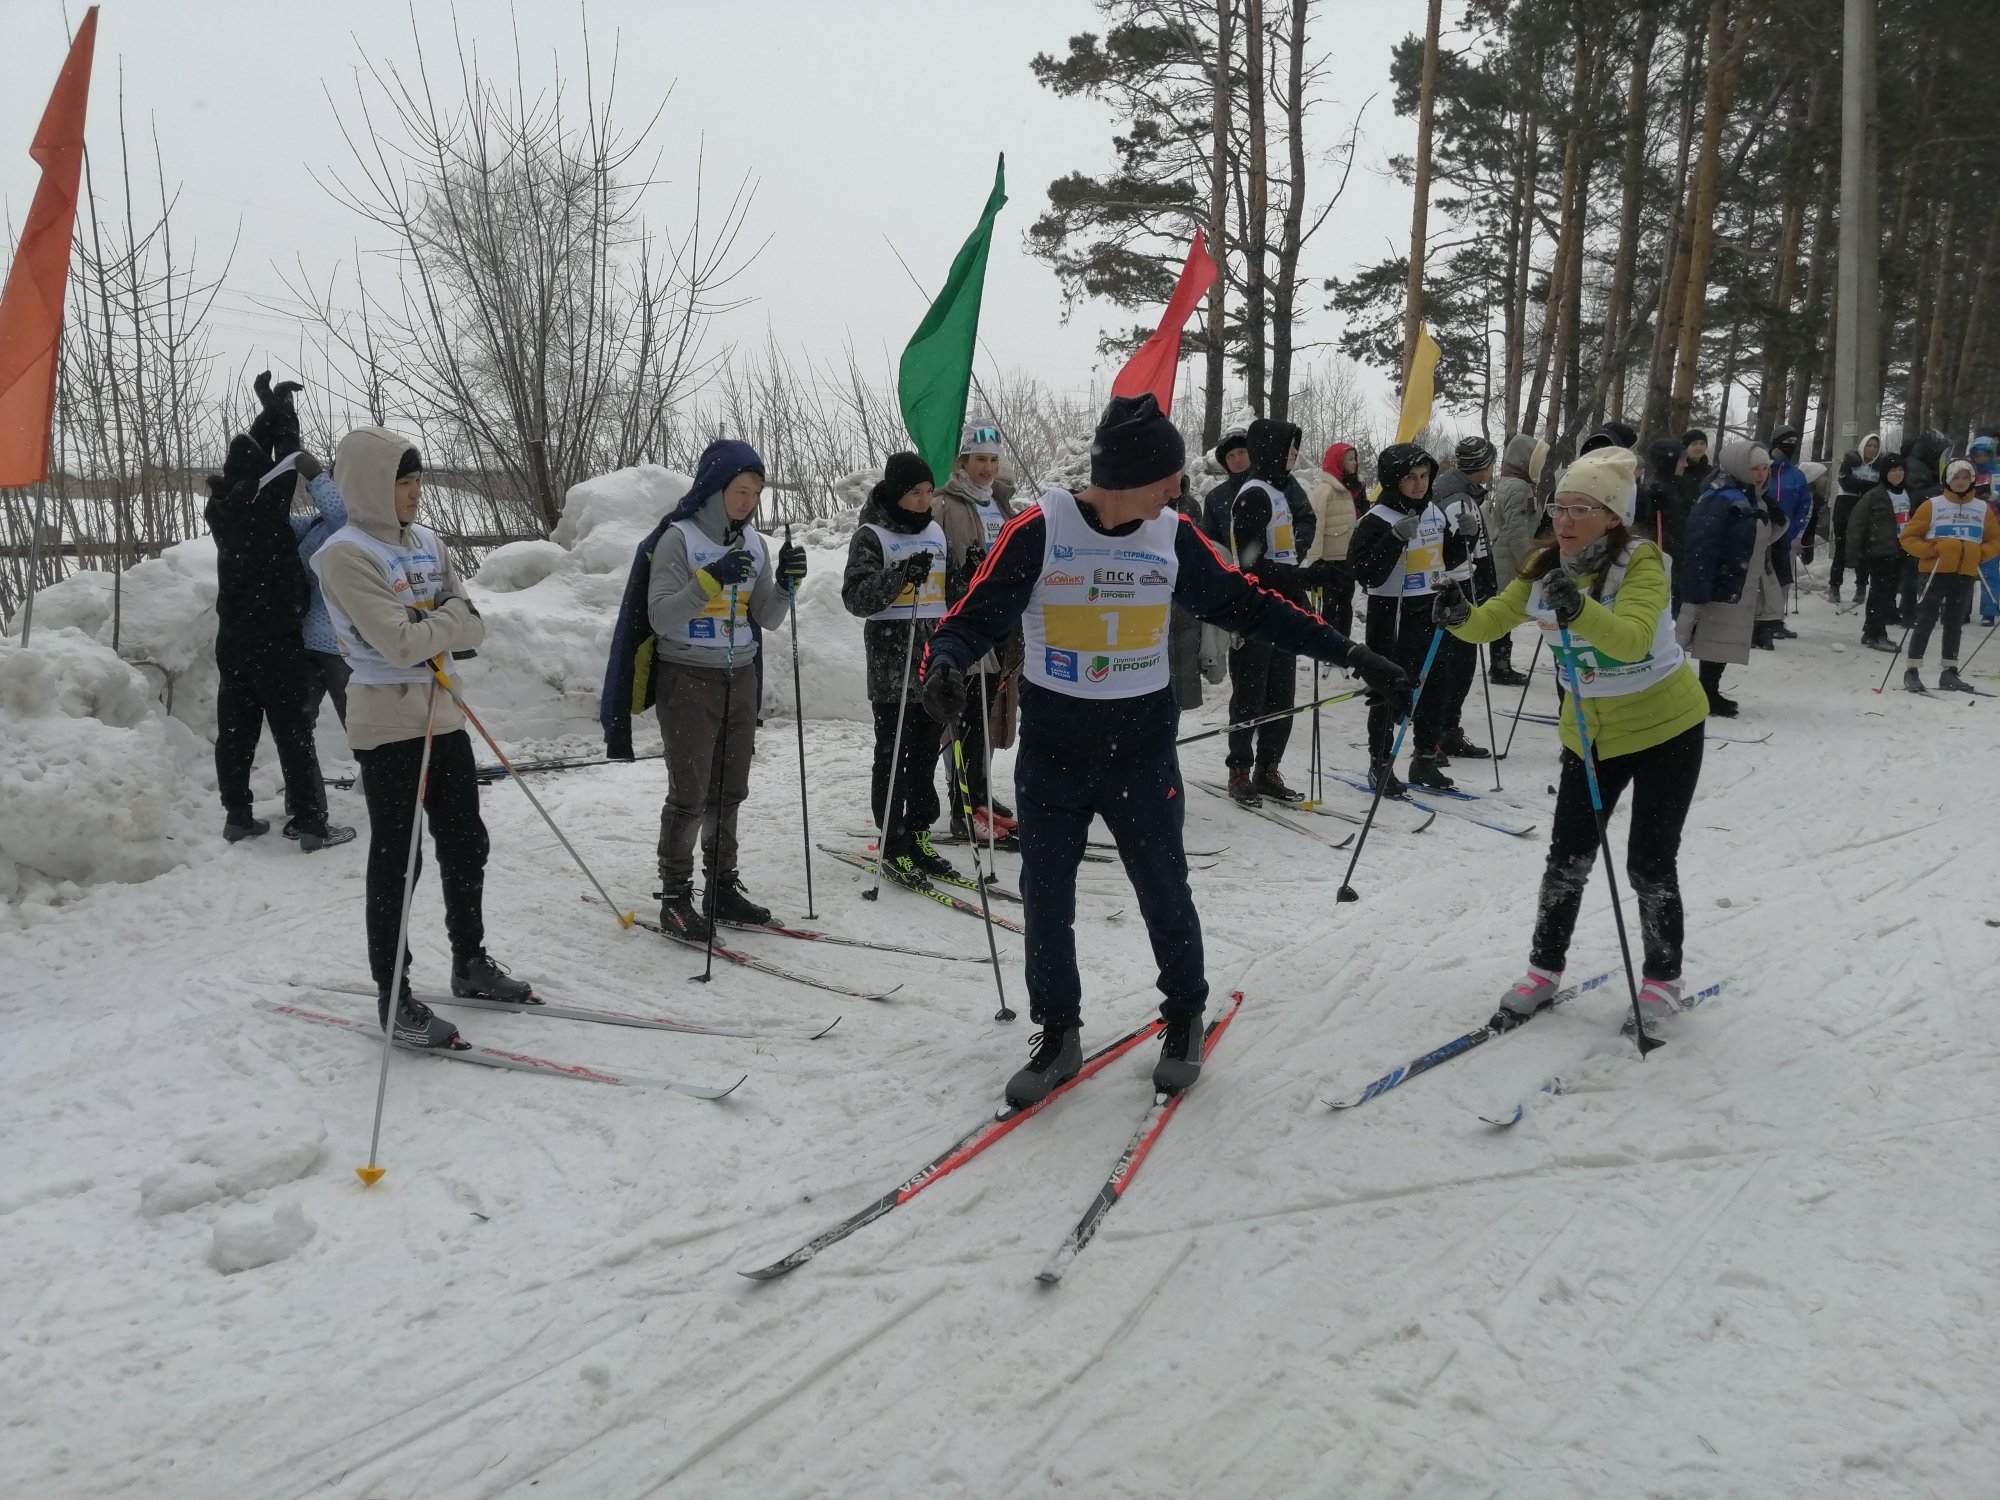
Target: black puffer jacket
point(1271, 445)
point(260, 583)
point(868, 587)
point(1663, 503)
point(1376, 551)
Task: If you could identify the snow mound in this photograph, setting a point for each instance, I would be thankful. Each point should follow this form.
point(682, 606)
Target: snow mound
point(98, 784)
point(252, 1237)
point(520, 565)
point(232, 1164)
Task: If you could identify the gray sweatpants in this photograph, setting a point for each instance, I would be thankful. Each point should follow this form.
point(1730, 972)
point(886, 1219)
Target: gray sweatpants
point(704, 787)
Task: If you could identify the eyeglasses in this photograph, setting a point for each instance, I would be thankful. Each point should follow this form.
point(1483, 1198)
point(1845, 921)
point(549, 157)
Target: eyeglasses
point(1572, 512)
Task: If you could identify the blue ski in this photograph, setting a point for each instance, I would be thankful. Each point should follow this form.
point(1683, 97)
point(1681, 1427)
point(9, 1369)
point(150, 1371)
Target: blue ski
point(1554, 1084)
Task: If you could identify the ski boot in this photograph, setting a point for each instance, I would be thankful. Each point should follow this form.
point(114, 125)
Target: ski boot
point(1265, 781)
point(1004, 831)
point(733, 904)
point(1241, 790)
point(241, 825)
point(1382, 778)
point(478, 977)
point(1783, 631)
point(928, 861)
point(1879, 643)
point(680, 917)
point(1913, 682)
point(1056, 1057)
point(1527, 997)
point(1659, 1001)
point(1506, 677)
point(1763, 636)
point(1951, 682)
point(418, 1026)
point(1457, 745)
point(1180, 1055)
point(1833, 594)
point(322, 835)
point(1426, 771)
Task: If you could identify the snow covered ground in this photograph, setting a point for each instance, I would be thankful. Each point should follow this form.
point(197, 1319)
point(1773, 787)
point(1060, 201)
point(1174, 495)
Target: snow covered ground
point(1758, 1264)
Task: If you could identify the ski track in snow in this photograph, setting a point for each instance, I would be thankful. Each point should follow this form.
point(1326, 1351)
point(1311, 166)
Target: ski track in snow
point(1755, 1264)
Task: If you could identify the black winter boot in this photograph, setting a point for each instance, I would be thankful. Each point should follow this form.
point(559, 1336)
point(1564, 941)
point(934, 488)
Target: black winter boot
point(1457, 745)
point(1180, 1055)
point(417, 1025)
point(478, 977)
point(1266, 782)
point(679, 916)
point(1951, 682)
point(733, 903)
point(1425, 771)
point(1382, 778)
point(1913, 681)
point(1056, 1058)
point(1241, 790)
point(238, 826)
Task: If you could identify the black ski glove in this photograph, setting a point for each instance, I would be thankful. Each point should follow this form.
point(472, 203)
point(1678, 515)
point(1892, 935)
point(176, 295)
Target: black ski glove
point(915, 568)
point(1449, 606)
point(1387, 681)
point(1563, 597)
point(944, 692)
point(276, 428)
point(728, 570)
point(791, 566)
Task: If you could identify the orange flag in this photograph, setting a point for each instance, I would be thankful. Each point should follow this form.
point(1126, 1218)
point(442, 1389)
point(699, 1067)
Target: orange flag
point(1152, 365)
point(31, 309)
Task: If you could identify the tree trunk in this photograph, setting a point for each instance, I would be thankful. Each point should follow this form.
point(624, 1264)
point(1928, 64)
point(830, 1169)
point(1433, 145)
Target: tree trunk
point(1258, 193)
point(1674, 251)
point(1818, 316)
point(1935, 393)
point(1913, 400)
point(1617, 301)
point(1528, 143)
point(1285, 295)
point(1559, 325)
point(1791, 235)
point(1727, 45)
point(1975, 325)
point(1413, 303)
point(1216, 370)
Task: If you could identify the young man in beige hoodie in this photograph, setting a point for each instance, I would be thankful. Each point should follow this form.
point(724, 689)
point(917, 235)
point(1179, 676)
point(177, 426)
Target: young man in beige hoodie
point(397, 606)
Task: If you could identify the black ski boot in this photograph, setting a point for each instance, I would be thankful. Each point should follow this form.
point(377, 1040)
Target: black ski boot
point(1950, 682)
point(1425, 771)
point(1783, 631)
point(417, 1025)
point(1266, 782)
point(1507, 677)
point(1762, 635)
point(1382, 778)
point(480, 978)
point(1879, 643)
point(241, 825)
point(733, 903)
point(1180, 1055)
point(899, 863)
point(1056, 1058)
point(1240, 789)
point(928, 861)
point(680, 916)
point(1458, 746)
point(1913, 682)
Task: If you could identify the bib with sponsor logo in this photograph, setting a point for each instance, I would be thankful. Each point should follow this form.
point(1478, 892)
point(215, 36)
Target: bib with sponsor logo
point(1957, 520)
point(1423, 559)
point(712, 625)
point(1096, 623)
point(1899, 502)
point(927, 597)
point(1280, 544)
point(1597, 674)
point(415, 572)
point(991, 518)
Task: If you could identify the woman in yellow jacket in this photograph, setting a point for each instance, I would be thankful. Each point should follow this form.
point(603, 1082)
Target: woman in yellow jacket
point(1643, 705)
point(1950, 536)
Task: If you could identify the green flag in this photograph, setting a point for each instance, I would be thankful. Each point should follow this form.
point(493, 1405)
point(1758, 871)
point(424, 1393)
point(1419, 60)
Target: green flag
point(936, 371)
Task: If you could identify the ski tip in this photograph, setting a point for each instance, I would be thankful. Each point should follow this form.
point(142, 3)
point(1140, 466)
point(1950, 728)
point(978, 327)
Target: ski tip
point(370, 1175)
point(1426, 823)
point(725, 1093)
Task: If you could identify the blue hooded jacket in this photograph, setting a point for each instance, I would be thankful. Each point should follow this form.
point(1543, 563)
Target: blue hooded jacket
point(628, 675)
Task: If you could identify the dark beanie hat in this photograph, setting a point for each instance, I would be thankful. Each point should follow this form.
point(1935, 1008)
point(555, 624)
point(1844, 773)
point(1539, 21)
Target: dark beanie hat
point(412, 462)
point(1135, 445)
point(1473, 454)
point(1610, 435)
point(1233, 439)
point(901, 474)
point(1694, 435)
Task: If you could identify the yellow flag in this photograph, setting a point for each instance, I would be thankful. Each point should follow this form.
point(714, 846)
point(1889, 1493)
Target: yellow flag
point(1422, 389)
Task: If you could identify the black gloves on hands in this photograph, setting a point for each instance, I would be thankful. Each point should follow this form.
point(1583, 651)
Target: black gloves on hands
point(1387, 682)
point(731, 568)
point(974, 556)
point(276, 428)
point(1449, 606)
point(944, 692)
point(1563, 597)
point(915, 568)
point(791, 566)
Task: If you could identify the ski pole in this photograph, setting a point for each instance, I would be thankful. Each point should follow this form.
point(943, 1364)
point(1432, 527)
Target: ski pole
point(1283, 713)
point(1486, 687)
point(799, 713)
point(986, 770)
point(1313, 784)
point(372, 1173)
point(979, 873)
point(874, 892)
point(1534, 660)
point(715, 780)
point(1987, 635)
point(625, 919)
point(1910, 625)
point(1603, 821)
point(1347, 891)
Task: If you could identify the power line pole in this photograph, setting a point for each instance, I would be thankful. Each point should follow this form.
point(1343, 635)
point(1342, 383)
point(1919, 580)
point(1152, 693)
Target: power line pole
point(1857, 374)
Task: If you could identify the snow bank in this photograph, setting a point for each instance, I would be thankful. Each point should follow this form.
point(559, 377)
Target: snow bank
point(228, 1163)
point(97, 784)
point(252, 1237)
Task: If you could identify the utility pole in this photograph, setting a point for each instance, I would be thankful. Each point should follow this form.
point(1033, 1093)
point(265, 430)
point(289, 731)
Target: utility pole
point(1857, 373)
point(1413, 303)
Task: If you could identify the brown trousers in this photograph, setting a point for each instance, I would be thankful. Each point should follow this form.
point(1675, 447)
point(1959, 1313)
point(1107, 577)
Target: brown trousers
point(704, 787)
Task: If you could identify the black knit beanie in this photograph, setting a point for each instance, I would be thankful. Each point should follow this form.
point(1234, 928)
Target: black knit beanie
point(1135, 445)
point(412, 462)
point(1694, 435)
point(901, 474)
point(1473, 454)
point(1233, 439)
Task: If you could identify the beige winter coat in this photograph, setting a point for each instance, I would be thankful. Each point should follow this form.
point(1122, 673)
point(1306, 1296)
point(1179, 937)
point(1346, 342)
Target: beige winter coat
point(382, 713)
point(1334, 507)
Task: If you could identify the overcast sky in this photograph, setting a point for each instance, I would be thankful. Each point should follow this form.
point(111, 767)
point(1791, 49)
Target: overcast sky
point(856, 118)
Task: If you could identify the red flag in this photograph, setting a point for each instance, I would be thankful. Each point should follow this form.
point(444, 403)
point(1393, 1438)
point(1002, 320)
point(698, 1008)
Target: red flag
point(31, 309)
point(1152, 367)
